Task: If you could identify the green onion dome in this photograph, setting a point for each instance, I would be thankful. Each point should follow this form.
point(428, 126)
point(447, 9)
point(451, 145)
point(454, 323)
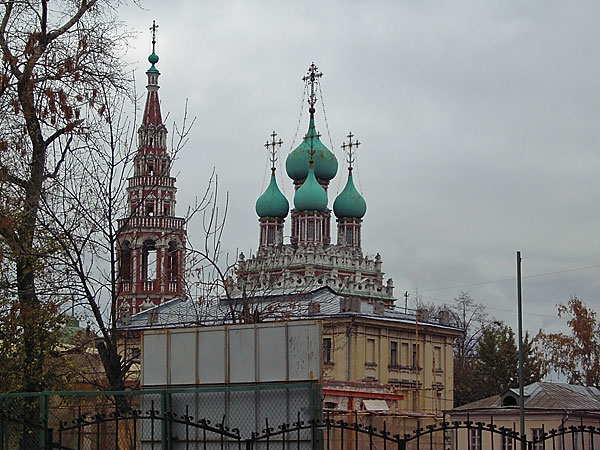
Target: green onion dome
point(310, 196)
point(325, 162)
point(349, 204)
point(272, 203)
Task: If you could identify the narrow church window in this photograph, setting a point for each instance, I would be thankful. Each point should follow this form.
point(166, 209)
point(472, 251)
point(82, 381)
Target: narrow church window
point(311, 230)
point(167, 209)
point(125, 263)
point(271, 235)
point(150, 169)
point(173, 261)
point(349, 236)
point(148, 260)
point(149, 209)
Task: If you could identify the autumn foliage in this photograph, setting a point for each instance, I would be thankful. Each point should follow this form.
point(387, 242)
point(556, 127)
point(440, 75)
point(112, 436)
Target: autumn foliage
point(575, 355)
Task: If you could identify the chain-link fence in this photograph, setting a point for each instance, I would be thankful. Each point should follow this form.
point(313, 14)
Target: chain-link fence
point(195, 418)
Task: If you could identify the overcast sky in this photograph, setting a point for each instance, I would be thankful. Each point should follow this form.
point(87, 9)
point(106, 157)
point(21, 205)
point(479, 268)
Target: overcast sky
point(479, 124)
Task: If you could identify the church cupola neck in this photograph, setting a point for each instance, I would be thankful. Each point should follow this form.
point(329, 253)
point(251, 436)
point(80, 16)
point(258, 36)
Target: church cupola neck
point(349, 206)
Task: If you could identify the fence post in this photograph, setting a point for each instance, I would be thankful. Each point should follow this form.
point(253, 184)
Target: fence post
point(248, 444)
point(43, 418)
point(316, 413)
point(165, 400)
point(49, 439)
point(2, 424)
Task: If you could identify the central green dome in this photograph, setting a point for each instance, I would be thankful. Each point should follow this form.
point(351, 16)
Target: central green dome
point(272, 203)
point(349, 204)
point(325, 162)
point(310, 196)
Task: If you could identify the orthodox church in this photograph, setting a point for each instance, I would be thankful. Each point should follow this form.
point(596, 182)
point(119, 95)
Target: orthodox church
point(374, 357)
point(311, 260)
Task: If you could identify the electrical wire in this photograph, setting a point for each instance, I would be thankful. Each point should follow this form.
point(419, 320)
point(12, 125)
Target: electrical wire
point(502, 280)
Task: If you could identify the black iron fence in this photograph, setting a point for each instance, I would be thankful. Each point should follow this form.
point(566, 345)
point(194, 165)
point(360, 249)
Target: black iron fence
point(292, 420)
point(151, 418)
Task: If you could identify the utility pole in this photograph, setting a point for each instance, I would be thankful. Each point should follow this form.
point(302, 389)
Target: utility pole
point(520, 313)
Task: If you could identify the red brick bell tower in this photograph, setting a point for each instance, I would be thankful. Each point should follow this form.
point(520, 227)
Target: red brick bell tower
point(151, 241)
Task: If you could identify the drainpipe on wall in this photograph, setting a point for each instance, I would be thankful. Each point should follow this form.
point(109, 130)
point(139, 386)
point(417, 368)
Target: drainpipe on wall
point(348, 352)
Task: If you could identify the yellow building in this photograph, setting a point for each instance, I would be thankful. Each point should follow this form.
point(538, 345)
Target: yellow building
point(407, 364)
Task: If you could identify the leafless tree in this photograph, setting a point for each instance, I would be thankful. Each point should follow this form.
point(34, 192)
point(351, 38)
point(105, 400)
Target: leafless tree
point(57, 58)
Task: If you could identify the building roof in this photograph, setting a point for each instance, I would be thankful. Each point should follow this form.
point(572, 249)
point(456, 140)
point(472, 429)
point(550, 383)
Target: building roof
point(541, 396)
point(272, 305)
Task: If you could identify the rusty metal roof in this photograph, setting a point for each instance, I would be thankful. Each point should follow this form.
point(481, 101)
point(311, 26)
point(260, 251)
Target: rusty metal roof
point(544, 395)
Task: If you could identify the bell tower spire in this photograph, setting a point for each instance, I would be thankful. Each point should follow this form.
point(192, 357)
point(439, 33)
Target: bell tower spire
point(151, 240)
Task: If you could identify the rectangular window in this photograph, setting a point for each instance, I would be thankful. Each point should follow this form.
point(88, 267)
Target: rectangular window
point(536, 434)
point(437, 358)
point(475, 439)
point(507, 443)
point(327, 356)
point(404, 357)
point(371, 351)
point(414, 356)
point(393, 353)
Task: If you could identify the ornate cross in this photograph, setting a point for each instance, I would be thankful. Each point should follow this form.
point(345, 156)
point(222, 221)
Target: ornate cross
point(153, 28)
point(312, 78)
point(350, 148)
point(272, 148)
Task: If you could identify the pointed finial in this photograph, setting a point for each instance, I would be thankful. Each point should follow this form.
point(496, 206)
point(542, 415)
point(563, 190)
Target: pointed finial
point(312, 78)
point(350, 149)
point(153, 58)
point(272, 148)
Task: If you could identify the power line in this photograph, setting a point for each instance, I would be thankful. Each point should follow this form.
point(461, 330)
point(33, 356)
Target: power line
point(502, 280)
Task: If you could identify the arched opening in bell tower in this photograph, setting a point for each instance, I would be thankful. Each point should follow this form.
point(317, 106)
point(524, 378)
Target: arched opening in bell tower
point(149, 261)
